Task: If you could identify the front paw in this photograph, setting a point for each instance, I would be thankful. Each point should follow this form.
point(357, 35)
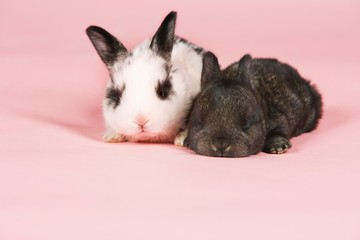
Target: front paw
point(112, 137)
point(277, 145)
point(181, 138)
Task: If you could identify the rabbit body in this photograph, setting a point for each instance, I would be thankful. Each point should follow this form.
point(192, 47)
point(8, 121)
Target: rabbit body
point(253, 105)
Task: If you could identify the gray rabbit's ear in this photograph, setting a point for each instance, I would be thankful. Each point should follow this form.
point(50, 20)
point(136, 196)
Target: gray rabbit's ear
point(163, 40)
point(211, 71)
point(107, 46)
point(243, 75)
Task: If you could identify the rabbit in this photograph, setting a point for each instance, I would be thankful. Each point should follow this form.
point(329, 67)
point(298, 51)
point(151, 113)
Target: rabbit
point(152, 87)
point(253, 105)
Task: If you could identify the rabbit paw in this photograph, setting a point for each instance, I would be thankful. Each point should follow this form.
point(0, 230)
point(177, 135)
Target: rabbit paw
point(112, 137)
point(277, 145)
point(180, 139)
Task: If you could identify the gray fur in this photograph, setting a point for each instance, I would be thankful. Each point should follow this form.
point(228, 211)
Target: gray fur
point(253, 105)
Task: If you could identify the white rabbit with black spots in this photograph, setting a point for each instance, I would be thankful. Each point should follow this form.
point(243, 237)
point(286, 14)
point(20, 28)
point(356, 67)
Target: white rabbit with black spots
point(151, 88)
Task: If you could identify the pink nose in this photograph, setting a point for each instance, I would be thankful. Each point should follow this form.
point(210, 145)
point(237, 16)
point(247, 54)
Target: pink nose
point(141, 121)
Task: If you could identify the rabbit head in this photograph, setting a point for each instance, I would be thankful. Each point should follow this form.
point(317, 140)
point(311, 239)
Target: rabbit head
point(146, 99)
point(227, 119)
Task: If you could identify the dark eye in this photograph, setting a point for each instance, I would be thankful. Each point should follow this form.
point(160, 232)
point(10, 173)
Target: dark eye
point(114, 94)
point(247, 126)
point(250, 121)
point(164, 89)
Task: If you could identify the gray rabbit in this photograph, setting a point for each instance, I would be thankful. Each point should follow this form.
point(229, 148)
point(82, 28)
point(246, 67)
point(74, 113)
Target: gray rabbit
point(253, 105)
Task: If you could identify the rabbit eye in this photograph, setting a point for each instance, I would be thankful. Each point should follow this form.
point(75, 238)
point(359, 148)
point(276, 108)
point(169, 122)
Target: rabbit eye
point(247, 126)
point(114, 95)
point(254, 119)
point(164, 89)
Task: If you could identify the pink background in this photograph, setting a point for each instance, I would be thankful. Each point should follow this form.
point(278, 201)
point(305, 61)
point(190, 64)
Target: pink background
point(59, 181)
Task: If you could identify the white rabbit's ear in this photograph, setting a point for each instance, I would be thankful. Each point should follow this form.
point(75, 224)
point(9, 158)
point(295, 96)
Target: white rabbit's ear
point(211, 69)
point(163, 40)
point(107, 46)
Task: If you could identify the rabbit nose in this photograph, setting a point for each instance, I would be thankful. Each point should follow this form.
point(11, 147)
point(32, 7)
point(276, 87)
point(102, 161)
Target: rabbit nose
point(221, 144)
point(141, 121)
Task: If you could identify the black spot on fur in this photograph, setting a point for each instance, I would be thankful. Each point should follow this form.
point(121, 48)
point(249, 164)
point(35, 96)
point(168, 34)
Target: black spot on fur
point(164, 89)
point(167, 68)
point(114, 96)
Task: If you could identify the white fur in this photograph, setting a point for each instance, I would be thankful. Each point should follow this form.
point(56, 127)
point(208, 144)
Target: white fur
point(140, 72)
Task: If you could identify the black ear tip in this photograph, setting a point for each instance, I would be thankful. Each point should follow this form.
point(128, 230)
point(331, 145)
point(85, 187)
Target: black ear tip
point(210, 57)
point(170, 19)
point(209, 54)
point(246, 58)
point(91, 29)
point(171, 15)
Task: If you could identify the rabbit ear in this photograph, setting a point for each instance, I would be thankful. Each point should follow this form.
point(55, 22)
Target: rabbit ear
point(163, 40)
point(243, 70)
point(211, 69)
point(106, 45)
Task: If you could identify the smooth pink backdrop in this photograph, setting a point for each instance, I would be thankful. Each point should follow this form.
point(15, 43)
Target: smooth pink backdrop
point(58, 180)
